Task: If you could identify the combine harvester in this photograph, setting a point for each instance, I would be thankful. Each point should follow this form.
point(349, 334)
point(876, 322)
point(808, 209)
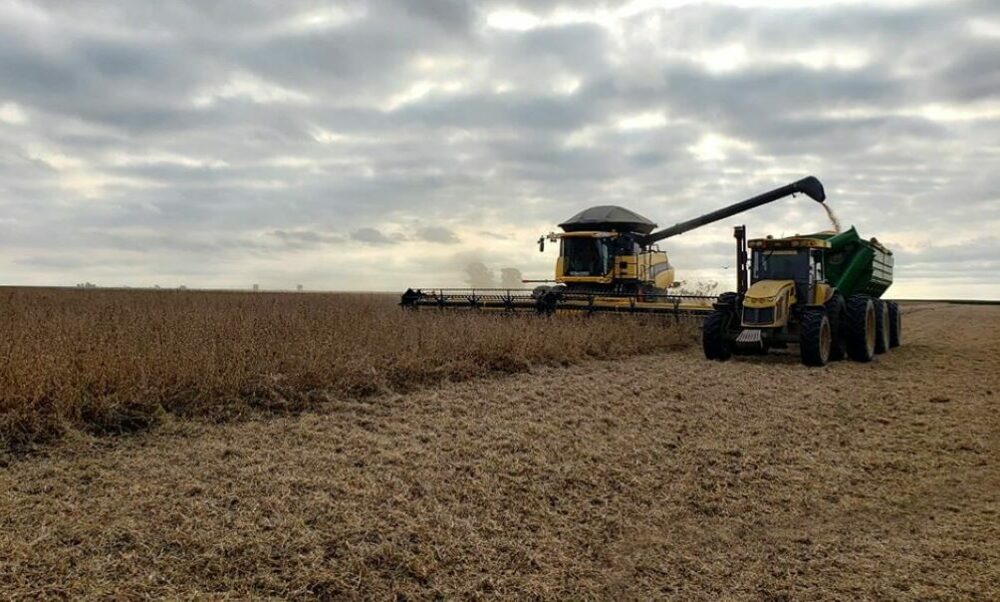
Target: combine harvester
point(608, 262)
point(820, 291)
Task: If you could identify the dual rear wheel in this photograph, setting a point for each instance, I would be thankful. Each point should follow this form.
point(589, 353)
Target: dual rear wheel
point(895, 325)
point(860, 328)
point(873, 326)
point(835, 309)
point(882, 324)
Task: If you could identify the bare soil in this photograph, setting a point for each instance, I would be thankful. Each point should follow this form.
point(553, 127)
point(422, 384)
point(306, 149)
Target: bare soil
point(658, 476)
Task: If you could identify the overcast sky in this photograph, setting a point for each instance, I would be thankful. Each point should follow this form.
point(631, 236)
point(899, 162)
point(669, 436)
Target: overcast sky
point(382, 144)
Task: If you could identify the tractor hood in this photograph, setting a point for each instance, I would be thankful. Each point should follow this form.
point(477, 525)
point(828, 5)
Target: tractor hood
point(765, 293)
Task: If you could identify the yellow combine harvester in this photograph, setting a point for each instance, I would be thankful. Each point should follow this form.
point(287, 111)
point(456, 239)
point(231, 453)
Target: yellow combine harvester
point(609, 261)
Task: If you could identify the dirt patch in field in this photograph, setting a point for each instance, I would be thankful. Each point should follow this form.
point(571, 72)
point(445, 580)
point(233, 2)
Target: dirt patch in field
point(660, 476)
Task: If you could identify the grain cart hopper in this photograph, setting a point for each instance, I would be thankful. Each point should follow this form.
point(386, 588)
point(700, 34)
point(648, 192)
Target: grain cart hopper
point(821, 291)
point(609, 261)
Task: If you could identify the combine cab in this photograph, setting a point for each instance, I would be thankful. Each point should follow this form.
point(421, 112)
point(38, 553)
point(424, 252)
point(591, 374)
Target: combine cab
point(609, 261)
point(820, 291)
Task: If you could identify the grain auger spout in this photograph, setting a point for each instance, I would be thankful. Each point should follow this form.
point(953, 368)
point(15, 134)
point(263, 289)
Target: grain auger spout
point(608, 262)
point(809, 186)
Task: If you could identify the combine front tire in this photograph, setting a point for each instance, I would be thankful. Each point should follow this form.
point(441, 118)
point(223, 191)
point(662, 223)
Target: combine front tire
point(895, 325)
point(860, 328)
point(815, 338)
point(715, 335)
point(881, 326)
point(546, 299)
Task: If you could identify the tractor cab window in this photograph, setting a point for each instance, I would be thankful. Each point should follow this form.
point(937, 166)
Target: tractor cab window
point(586, 256)
point(781, 265)
point(817, 263)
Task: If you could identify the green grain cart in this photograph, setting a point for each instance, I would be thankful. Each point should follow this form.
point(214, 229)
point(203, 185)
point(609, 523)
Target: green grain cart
point(820, 291)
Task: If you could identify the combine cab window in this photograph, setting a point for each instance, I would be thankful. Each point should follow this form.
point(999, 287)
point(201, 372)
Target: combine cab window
point(585, 256)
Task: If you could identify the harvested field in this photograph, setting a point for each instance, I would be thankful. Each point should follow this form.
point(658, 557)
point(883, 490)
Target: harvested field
point(657, 476)
point(118, 361)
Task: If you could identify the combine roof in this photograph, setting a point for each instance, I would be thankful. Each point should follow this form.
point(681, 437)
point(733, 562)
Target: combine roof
point(608, 217)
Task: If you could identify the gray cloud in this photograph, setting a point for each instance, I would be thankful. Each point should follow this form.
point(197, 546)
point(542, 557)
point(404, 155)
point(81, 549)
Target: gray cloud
point(371, 236)
point(973, 259)
point(307, 238)
point(437, 234)
point(206, 142)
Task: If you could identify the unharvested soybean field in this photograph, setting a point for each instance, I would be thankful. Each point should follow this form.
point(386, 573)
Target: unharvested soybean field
point(510, 459)
point(116, 361)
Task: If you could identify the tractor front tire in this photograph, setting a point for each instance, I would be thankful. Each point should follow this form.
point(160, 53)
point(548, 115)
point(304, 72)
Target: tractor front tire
point(836, 309)
point(815, 337)
point(895, 325)
point(881, 326)
point(860, 328)
point(715, 335)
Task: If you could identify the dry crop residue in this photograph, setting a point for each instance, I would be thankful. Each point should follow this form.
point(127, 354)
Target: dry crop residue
point(651, 477)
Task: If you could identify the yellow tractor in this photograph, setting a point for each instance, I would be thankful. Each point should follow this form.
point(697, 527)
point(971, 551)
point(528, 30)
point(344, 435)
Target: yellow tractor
point(820, 291)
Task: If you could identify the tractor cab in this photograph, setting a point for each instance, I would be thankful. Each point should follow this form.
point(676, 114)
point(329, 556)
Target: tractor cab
point(803, 266)
point(784, 272)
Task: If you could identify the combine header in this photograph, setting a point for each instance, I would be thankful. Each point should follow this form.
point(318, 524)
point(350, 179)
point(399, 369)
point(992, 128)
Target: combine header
point(609, 261)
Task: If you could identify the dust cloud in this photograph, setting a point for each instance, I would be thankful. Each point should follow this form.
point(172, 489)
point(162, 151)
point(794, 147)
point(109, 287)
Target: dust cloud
point(511, 278)
point(479, 275)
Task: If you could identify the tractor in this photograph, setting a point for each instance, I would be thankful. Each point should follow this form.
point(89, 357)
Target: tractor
point(819, 291)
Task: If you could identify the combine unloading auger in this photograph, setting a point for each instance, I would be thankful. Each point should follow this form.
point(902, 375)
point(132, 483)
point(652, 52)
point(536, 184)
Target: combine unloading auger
point(809, 186)
point(608, 262)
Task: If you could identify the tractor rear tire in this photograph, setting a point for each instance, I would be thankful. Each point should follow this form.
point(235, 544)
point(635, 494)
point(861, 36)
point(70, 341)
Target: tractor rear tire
point(881, 326)
point(815, 337)
point(860, 328)
point(715, 335)
point(895, 325)
point(836, 309)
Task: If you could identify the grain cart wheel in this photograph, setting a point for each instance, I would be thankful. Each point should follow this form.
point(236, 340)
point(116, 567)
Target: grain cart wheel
point(881, 326)
point(836, 309)
point(815, 338)
point(895, 325)
point(860, 329)
point(715, 335)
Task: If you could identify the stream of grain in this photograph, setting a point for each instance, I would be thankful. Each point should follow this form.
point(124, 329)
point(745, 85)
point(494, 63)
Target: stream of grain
point(833, 217)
